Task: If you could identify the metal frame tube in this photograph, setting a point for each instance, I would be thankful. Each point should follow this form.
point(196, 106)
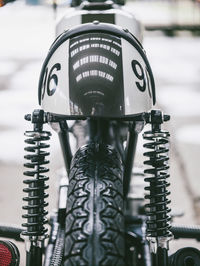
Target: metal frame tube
point(130, 155)
point(65, 145)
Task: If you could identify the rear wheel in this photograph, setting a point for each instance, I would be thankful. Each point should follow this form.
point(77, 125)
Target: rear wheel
point(94, 220)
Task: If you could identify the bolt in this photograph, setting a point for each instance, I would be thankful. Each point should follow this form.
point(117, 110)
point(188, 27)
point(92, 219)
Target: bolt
point(27, 117)
point(166, 117)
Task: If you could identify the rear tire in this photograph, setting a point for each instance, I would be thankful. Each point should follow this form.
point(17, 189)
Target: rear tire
point(94, 220)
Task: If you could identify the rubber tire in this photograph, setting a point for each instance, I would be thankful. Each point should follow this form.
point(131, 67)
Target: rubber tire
point(94, 220)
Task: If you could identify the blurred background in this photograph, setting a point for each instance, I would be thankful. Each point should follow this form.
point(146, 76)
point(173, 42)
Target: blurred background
point(26, 33)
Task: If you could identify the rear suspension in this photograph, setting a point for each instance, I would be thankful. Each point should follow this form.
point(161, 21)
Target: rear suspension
point(35, 232)
point(157, 209)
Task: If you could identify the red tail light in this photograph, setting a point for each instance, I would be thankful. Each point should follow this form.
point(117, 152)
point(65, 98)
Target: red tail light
point(1, 3)
point(9, 254)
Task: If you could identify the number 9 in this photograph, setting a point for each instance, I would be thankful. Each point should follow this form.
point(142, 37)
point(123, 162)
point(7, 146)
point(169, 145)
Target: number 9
point(139, 72)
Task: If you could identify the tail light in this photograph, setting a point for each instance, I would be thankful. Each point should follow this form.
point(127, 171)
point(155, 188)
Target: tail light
point(9, 254)
point(1, 3)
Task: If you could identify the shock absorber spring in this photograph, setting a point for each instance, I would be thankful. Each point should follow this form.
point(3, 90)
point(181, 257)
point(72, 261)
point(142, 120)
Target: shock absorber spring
point(36, 184)
point(157, 208)
point(35, 231)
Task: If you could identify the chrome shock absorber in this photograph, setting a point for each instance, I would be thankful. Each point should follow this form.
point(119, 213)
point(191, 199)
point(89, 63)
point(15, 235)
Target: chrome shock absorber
point(157, 209)
point(35, 232)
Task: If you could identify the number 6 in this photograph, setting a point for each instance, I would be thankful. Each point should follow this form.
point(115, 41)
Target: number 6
point(53, 77)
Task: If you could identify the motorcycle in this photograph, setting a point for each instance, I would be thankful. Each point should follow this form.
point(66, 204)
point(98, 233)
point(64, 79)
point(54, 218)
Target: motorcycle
point(97, 75)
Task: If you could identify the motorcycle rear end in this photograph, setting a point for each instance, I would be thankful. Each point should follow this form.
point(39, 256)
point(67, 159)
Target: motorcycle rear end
point(97, 74)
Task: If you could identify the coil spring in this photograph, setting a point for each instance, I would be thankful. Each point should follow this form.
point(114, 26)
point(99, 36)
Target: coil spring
point(36, 213)
point(157, 210)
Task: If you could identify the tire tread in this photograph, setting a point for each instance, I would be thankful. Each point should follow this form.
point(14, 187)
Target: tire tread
point(94, 219)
